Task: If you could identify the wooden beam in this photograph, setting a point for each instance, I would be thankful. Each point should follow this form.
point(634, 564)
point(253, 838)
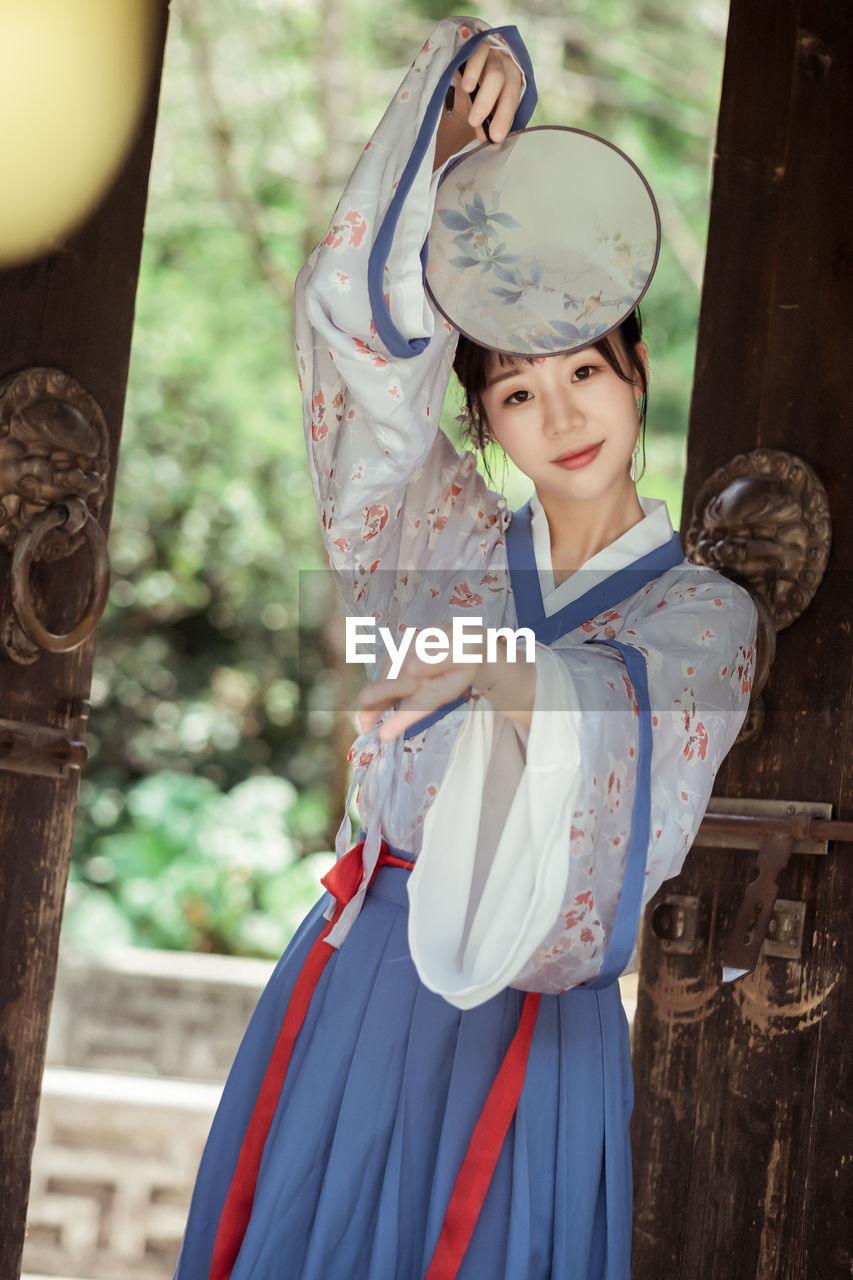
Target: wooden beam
point(744, 1120)
point(72, 310)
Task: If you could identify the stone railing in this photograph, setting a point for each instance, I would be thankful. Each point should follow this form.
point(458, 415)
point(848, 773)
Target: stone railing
point(113, 1168)
point(153, 1013)
point(139, 1045)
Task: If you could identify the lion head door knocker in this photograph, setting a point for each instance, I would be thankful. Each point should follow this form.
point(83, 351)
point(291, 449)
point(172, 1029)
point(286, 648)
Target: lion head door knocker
point(54, 463)
point(763, 519)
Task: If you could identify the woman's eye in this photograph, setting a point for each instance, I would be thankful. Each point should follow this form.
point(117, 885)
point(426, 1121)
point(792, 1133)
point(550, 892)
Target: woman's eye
point(583, 372)
point(517, 397)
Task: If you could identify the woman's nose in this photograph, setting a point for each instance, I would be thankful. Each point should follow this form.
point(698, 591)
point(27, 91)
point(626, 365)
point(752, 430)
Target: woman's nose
point(562, 412)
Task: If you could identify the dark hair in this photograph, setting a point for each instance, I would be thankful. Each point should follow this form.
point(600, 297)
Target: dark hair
point(471, 363)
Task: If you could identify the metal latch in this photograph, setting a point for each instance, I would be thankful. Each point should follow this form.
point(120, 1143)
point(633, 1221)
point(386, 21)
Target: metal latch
point(39, 749)
point(777, 828)
point(674, 922)
point(785, 930)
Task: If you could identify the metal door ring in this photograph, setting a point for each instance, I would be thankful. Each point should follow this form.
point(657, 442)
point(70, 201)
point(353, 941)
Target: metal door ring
point(73, 514)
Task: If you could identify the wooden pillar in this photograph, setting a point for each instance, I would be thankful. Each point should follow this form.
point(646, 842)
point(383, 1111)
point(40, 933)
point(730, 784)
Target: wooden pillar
point(743, 1131)
point(72, 310)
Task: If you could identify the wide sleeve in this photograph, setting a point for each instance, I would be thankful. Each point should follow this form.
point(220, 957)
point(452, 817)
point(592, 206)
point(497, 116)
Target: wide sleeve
point(374, 357)
point(532, 853)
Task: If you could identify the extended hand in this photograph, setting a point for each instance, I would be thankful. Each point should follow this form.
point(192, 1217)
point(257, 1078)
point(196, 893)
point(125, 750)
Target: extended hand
point(420, 688)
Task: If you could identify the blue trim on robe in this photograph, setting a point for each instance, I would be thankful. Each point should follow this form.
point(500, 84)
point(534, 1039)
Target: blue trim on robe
point(627, 922)
point(438, 714)
point(527, 593)
point(530, 611)
point(527, 590)
point(390, 335)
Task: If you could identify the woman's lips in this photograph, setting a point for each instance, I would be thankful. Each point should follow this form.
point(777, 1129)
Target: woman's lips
point(582, 458)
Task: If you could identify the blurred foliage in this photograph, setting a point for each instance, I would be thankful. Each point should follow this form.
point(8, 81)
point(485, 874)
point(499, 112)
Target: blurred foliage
point(213, 681)
point(188, 867)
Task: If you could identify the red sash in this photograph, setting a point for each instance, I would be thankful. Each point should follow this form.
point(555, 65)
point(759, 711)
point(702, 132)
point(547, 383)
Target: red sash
point(476, 1171)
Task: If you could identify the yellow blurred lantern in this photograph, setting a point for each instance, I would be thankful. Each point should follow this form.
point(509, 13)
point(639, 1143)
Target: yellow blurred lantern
point(73, 80)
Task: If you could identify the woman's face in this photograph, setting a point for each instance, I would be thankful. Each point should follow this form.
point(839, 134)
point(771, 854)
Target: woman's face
point(569, 422)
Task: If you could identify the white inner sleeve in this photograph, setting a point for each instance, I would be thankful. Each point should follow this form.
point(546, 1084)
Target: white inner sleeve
point(490, 879)
point(410, 306)
point(410, 309)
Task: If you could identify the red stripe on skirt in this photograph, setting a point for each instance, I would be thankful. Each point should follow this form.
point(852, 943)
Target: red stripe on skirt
point(342, 882)
point(475, 1174)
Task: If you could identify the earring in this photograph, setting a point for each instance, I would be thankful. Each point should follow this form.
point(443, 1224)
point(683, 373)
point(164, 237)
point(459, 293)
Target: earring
point(635, 461)
point(639, 404)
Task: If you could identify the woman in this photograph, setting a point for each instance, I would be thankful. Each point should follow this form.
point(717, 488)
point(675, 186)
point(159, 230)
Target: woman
point(446, 1091)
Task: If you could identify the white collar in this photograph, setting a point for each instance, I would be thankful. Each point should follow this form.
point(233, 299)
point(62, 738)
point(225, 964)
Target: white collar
point(652, 531)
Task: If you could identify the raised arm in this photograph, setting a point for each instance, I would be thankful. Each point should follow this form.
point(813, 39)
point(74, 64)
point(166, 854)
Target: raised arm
point(374, 358)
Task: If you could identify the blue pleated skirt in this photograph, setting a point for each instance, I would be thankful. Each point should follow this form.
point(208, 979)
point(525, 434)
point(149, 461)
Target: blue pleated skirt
point(384, 1089)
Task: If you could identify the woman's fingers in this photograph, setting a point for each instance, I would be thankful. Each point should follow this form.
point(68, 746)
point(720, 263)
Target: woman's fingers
point(385, 691)
point(379, 696)
point(431, 695)
point(474, 66)
point(506, 102)
point(419, 688)
point(498, 81)
point(494, 80)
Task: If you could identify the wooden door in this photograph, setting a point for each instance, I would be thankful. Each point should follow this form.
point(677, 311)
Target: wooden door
point(72, 311)
point(743, 1131)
